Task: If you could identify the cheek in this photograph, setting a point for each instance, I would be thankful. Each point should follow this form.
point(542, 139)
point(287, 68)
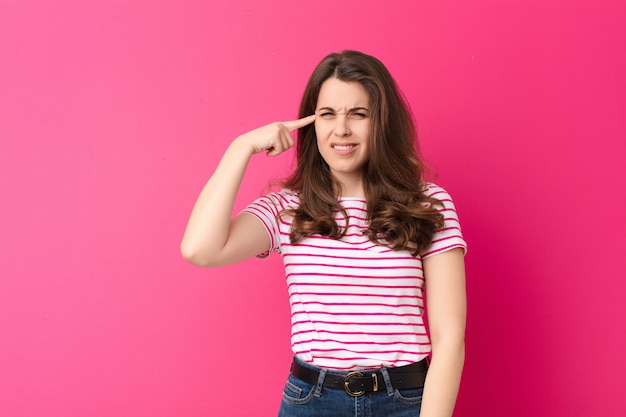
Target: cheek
point(365, 130)
point(322, 129)
point(318, 131)
point(318, 136)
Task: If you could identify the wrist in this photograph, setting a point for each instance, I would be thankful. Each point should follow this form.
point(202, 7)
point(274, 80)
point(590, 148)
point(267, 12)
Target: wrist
point(241, 145)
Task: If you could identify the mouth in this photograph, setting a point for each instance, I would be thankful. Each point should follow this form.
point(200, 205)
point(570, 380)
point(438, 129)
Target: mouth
point(343, 147)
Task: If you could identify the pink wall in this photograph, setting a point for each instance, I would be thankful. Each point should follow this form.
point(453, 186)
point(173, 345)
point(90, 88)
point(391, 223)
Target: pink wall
point(113, 115)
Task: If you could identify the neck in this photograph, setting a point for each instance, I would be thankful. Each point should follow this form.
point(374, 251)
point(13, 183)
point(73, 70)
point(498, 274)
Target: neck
point(351, 186)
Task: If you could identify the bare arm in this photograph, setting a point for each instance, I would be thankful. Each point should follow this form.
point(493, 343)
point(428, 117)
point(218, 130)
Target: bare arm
point(211, 238)
point(446, 306)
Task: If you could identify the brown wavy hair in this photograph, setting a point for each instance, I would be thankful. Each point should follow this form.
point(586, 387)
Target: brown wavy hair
point(400, 215)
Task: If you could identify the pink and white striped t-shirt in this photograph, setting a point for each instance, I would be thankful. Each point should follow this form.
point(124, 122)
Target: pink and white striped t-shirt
point(354, 304)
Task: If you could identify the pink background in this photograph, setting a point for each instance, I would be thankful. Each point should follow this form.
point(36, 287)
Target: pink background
point(114, 114)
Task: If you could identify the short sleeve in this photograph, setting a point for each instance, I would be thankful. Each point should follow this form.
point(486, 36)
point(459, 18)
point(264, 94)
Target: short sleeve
point(266, 209)
point(449, 236)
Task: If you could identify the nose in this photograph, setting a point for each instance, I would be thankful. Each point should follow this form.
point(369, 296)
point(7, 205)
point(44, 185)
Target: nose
point(341, 126)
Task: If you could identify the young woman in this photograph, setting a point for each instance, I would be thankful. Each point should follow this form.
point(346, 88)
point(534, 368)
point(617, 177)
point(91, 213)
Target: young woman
point(361, 235)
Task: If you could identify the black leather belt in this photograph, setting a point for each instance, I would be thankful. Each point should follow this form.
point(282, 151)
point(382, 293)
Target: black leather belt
point(359, 382)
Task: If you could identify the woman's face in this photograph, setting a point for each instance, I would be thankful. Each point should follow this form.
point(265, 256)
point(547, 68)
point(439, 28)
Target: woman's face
point(342, 127)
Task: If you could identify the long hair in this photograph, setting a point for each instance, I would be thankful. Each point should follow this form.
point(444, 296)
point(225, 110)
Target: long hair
point(400, 215)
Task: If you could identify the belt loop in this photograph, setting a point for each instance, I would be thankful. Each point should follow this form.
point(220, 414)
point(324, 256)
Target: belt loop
point(390, 390)
point(320, 382)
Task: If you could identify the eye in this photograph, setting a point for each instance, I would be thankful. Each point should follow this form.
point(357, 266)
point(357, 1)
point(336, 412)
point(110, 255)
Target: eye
point(327, 114)
point(359, 115)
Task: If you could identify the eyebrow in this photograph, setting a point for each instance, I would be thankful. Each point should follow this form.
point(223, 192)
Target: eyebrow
point(353, 109)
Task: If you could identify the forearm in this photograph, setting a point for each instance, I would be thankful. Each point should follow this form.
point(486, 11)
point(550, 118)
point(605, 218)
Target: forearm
point(443, 379)
point(208, 226)
point(211, 239)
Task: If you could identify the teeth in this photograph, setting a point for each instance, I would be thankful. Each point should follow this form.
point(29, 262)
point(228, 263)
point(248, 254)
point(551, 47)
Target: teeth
point(343, 147)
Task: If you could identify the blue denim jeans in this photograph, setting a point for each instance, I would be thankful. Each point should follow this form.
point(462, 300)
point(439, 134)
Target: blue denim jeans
point(301, 399)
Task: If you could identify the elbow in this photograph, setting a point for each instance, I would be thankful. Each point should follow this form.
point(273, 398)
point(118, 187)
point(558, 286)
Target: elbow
point(451, 336)
point(449, 344)
point(195, 256)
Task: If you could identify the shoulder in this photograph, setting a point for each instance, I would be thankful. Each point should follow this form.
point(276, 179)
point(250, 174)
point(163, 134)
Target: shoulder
point(287, 197)
point(437, 192)
point(433, 190)
point(281, 199)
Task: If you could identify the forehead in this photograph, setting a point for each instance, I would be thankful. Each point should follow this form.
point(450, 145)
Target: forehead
point(342, 95)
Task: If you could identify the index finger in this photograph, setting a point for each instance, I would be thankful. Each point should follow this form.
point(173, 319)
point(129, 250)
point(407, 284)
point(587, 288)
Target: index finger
point(297, 124)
